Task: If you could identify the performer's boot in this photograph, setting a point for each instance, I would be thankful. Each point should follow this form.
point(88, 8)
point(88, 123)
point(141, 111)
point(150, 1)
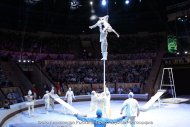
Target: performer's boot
point(104, 54)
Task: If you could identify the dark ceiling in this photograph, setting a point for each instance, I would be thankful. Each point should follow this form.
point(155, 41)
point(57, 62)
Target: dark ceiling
point(57, 16)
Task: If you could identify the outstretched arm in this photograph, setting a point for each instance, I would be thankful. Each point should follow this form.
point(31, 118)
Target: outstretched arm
point(95, 25)
point(84, 119)
point(115, 33)
point(114, 120)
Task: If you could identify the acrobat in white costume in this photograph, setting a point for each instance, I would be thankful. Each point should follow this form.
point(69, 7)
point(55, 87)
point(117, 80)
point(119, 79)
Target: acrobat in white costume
point(93, 103)
point(46, 98)
point(30, 102)
point(107, 98)
point(104, 28)
point(52, 101)
point(69, 96)
point(101, 101)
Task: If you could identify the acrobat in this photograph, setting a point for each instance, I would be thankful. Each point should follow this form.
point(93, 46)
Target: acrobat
point(93, 103)
point(52, 101)
point(104, 28)
point(30, 102)
point(46, 98)
point(69, 96)
point(107, 98)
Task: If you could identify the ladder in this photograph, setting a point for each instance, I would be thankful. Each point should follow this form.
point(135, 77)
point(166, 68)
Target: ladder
point(171, 80)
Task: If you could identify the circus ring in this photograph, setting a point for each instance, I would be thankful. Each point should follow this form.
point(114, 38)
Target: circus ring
point(168, 115)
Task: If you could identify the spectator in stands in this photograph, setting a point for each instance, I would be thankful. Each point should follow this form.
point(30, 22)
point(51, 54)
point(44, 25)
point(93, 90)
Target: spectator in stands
point(34, 91)
point(58, 88)
point(136, 89)
point(12, 96)
point(120, 90)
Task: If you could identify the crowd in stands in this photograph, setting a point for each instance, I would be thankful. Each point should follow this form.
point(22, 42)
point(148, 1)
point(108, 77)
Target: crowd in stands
point(21, 45)
point(91, 71)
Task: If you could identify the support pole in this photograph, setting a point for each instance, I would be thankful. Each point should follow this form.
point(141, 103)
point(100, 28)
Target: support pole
point(104, 75)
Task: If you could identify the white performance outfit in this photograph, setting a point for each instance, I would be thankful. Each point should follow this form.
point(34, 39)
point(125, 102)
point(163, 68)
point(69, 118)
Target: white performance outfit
point(131, 111)
point(69, 96)
point(104, 28)
point(46, 98)
point(107, 103)
point(30, 102)
point(101, 101)
point(93, 103)
point(52, 101)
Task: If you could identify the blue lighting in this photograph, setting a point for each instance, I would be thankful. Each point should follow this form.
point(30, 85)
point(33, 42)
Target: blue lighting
point(104, 2)
point(127, 1)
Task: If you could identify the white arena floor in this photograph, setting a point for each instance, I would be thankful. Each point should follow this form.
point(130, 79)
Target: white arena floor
point(168, 115)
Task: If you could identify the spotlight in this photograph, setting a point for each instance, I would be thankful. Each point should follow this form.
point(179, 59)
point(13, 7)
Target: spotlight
point(185, 52)
point(93, 17)
point(91, 3)
point(32, 61)
point(177, 53)
point(24, 61)
point(104, 2)
point(127, 1)
point(19, 61)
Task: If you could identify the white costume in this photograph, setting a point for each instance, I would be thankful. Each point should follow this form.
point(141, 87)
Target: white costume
point(93, 103)
point(46, 98)
point(107, 103)
point(30, 102)
point(104, 28)
point(131, 108)
point(52, 101)
point(69, 96)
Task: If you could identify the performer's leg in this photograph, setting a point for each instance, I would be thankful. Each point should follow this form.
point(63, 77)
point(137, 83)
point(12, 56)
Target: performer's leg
point(125, 121)
point(132, 121)
point(29, 110)
point(32, 109)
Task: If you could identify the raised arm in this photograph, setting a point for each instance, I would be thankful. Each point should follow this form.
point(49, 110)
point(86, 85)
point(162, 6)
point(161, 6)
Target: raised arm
point(95, 25)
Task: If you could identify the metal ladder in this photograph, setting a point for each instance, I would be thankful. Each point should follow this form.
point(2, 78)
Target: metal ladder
point(171, 79)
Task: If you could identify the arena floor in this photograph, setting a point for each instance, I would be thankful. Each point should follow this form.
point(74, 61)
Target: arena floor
point(168, 115)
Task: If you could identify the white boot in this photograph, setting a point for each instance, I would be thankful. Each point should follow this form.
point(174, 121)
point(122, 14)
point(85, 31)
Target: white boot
point(104, 54)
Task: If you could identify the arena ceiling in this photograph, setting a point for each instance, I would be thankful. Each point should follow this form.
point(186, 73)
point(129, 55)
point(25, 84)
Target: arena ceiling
point(58, 16)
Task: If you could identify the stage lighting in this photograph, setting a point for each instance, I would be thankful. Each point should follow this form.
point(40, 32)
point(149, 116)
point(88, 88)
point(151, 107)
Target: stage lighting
point(104, 2)
point(185, 52)
point(91, 3)
point(127, 1)
point(93, 17)
point(31, 1)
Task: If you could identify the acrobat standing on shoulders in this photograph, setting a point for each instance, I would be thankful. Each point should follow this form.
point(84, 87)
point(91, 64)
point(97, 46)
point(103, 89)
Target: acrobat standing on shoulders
point(104, 28)
point(30, 102)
